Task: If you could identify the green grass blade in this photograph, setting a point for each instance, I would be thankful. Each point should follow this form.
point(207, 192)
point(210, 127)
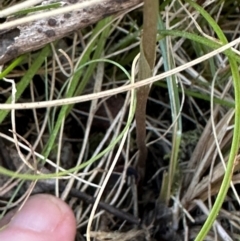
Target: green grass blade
point(76, 88)
point(11, 66)
point(175, 108)
point(236, 132)
point(24, 82)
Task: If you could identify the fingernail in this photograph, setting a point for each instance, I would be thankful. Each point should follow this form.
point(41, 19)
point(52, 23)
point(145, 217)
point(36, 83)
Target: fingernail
point(41, 213)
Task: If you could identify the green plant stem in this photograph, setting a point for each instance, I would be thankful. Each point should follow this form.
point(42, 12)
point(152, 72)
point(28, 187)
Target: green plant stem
point(24, 82)
point(76, 88)
point(11, 66)
point(236, 132)
point(146, 65)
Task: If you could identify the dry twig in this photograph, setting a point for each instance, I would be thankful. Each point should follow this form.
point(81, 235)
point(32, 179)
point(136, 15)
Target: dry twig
point(34, 34)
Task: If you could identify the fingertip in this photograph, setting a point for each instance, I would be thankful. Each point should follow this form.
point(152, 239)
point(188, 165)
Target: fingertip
point(43, 217)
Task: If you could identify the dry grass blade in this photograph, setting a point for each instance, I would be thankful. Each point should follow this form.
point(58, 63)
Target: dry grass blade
point(117, 236)
point(96, 148)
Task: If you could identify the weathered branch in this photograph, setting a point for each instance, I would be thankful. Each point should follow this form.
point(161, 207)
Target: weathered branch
point(35, 34)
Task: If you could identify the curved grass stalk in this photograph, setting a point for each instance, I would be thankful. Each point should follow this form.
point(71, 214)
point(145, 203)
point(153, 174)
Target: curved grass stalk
point(61, 174)
point(199, 39)
point(47, 176)
point(236, 132)
point(121, 89)
point(102, 29)
point(131, 113)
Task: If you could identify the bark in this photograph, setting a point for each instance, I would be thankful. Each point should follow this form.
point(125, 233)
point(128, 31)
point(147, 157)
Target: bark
point(34, 35)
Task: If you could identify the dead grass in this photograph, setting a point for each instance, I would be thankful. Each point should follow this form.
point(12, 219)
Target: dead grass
point(95, 121)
